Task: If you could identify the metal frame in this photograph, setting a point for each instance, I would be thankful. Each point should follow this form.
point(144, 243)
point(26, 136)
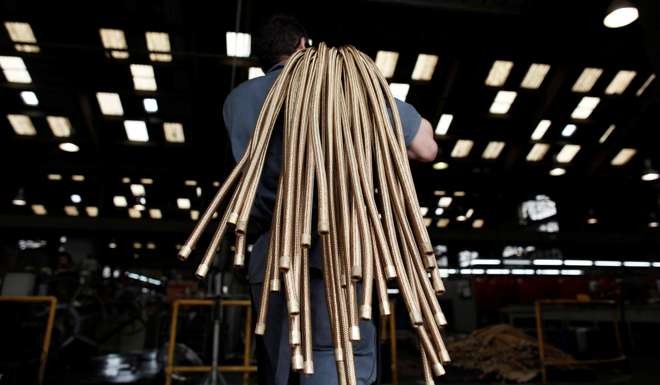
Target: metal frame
point(52, 306)
point(246, 368)
point(541, 341)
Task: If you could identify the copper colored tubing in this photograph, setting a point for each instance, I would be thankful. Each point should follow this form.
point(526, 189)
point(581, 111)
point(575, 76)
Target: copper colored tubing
point(335, 105)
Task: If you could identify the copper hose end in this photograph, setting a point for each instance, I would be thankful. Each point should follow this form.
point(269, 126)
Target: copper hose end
point(294, 337)
point(202, 270)
point(241, 226)
point(385, 308)
point(339, 355)
point(233, 217)
point(390, 272)
point(294, 307)
point(356, 272)
point(429, 260)
point(438, 286)
point(285, 263)
point(323, 227)
point(438, 370)
point(440, 319)
point(355, 333)
point(274, 285)
point(309, 367)
point(365, 312)
point(306, 240)
point(444, 354)
point(239, 260)
point(416, 318)
point(184, 252)
point(297, 362)
point(260, 329)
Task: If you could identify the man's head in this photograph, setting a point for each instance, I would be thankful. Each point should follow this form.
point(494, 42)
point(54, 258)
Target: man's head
point(278, 39)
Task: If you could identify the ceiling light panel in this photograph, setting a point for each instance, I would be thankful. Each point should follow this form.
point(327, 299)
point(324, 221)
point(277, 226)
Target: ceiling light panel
point(538, 151)
point(174, 132)
point(59, 125)
point(585, 82)
point(136, 130)
point(585, 107)
point(400, 90)
point(540, 129)
point(443, 124)
point(620, 82)
point(109, 103)
point(238, 44)
point(20, 32)
point(386, 62)
point(143, 77)
point(567, 153)
point(498, 73)
point(424, 67)
point(502, 102)
point(535, 76)
point(623, 156)
point(13, 67)
point(462, 148)
point(493, 150)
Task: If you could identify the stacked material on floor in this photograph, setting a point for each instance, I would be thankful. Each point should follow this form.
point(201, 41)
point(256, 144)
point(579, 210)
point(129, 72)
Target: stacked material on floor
point(503, 352)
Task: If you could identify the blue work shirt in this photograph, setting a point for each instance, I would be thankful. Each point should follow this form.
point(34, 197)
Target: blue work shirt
point(240, 112)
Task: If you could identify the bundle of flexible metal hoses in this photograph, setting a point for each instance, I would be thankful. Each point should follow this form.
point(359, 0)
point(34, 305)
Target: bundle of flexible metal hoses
point(341, 146)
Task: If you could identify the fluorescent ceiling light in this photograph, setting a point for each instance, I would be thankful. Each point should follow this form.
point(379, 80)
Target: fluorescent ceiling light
point(498, 73)
point(183, 203)
point(469, 213)
point(475, 262)
point(71, 211)
point(120, 54)
point(444, 202)
point(478, 223)
point(567, 153)
point(138, 190)
point(442, 223)
point(522, 271)
point(134, 213)
point(423, 210)
point(386, 62)
point(190, 182)
point(535, 75)
point(427, 222)
point(69, 147)
point(537, 152)
point(462, 148)
point(621, 16)
point(558, 171)
point(255, 72)
point(238, 44)
point(644, 86)
point(623, 156)
point(587, 79)
point(400, 90)
point(143, 77)
point(110, 103)
point(136, 130)
point(547, 262)
point(517, 262)
point(571, 272)
point(502, 102)
point(54, 177)
point(606, 134)
point(493, 150)
point(92, 211)
point(39, 209)
point(440, 165)
point(620, 82)
point(59, 125)
point(498, 271)
point(28, 48)
point(158, 41)
point(113, 39)
point(78, 178)
point(174, 132)
point(578, 262)
point(541, 129)
point(14, 69)
point(147, 181)
point(20, 32)
point(547, 272)
point(459, 193)
point(443, 124)
point(194, 215)
point(29, 98)
point(568, 130)
point(150, 105)
point(22, 124)
point(155, 213)
point(119, 201)
point(152, 246)
point(585, 107)
point(608, 263)
point(424, 67)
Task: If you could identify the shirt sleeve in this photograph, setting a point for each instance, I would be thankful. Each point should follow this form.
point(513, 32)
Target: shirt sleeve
point(410, 120)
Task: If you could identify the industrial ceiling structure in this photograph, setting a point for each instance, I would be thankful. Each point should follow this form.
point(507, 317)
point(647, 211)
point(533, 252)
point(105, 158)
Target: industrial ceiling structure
point(112, 127)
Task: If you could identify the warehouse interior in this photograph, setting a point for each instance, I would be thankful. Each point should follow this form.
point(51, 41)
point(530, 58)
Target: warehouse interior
point(543, 204)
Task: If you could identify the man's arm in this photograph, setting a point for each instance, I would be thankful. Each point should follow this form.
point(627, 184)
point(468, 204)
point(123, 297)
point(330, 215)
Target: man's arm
point(423, 147)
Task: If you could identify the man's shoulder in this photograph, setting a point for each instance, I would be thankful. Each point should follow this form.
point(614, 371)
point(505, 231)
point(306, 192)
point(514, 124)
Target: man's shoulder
point(251, 89)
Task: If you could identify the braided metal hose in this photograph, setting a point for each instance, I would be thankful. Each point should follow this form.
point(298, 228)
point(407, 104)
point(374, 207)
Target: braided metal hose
point(341, 150)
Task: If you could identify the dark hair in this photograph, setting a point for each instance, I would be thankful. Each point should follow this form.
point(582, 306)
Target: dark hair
point(278, 37)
